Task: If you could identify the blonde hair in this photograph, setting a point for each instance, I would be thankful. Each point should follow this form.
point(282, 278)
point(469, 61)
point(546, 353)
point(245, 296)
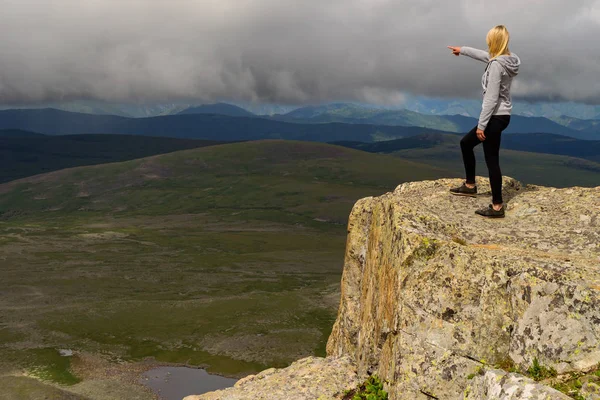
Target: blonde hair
point(497, 41)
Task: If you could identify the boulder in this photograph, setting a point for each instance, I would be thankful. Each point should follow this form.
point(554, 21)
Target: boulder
point(310, 378)
point(431, 291)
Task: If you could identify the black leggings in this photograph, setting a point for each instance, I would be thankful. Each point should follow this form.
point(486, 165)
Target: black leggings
point(491, 150)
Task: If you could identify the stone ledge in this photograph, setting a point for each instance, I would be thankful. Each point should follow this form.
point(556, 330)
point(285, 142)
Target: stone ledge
point(311, 378)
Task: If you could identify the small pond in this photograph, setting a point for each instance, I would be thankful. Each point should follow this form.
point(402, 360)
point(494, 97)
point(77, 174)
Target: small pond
point(174, 383)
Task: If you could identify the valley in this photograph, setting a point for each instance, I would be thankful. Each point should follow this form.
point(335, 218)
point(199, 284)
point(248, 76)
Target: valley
point(227, 257)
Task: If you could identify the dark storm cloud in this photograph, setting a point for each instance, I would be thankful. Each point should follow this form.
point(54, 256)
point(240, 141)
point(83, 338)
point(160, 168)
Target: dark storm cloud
point(288, 51)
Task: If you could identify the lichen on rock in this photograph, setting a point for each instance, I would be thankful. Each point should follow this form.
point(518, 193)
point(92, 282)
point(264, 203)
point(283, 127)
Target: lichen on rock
point(430, 289)
point(500, 385)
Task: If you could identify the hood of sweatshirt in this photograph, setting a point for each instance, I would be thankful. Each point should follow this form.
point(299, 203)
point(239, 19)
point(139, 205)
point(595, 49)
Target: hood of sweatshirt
point(510, 63)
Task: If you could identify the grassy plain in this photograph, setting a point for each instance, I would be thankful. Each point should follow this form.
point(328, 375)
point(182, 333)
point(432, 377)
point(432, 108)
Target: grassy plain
point(227, 257)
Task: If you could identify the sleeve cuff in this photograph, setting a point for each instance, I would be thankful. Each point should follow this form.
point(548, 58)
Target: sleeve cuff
point(482, 127)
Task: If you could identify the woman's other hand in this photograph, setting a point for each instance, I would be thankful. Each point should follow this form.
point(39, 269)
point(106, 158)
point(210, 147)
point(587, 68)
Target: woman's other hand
point(455, 50)
point(480, 135)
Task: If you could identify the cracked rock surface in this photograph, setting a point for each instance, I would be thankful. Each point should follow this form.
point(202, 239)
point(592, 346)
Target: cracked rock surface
point(430, 289)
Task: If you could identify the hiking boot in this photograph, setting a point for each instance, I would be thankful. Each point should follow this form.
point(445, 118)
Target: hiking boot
point(491, 213)
point(464, 191)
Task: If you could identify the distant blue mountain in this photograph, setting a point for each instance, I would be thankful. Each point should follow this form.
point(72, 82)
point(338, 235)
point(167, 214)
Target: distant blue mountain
point(472, 107)
point(198, 126)
point(584, 125)
point(520, 124)
point(106, 108)
point(352, 113)
point(314, 111)
point(418, 104)
point(362, 124)
point(360, 114)
point(218, 108)
point(264, 108)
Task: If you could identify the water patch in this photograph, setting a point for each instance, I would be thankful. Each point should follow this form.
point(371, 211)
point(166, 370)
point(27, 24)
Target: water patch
point(65, 352)
point(174, 383)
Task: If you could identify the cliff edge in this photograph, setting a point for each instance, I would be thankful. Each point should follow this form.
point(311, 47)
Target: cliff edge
point(441, 303)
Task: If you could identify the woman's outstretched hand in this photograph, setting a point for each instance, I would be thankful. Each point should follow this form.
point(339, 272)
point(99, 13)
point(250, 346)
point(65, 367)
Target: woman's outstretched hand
point(455, 50)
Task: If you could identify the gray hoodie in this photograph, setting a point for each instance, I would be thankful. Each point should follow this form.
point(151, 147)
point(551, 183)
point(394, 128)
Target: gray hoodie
point(496, 81)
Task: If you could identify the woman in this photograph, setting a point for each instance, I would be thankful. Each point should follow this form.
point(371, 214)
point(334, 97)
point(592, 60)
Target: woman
point(502, 66)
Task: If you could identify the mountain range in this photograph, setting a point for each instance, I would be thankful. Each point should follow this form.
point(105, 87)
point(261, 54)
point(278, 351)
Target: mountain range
point(419, 104)
point(316, 123)
point(198, 126)
point(352, 114)
point(472, 108)
point(357, 114)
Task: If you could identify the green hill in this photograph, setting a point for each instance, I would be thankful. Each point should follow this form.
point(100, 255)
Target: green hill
point(517, 157)
point(226, 256)
point(535, 168)
point(531, 142)
point(234, 176)
point(25, 153)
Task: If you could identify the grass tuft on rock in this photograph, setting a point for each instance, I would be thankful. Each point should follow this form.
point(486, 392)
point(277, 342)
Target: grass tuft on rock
point(539, 372)
point(371, 389)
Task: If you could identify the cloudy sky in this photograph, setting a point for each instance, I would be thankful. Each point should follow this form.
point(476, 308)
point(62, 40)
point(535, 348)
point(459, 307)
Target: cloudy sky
point(289, 51)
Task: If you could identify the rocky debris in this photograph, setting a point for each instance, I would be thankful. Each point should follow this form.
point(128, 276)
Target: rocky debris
point(500, 385)
point(310, 378)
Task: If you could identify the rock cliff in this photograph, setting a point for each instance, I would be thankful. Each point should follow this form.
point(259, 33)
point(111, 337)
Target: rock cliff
point(437, 301)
